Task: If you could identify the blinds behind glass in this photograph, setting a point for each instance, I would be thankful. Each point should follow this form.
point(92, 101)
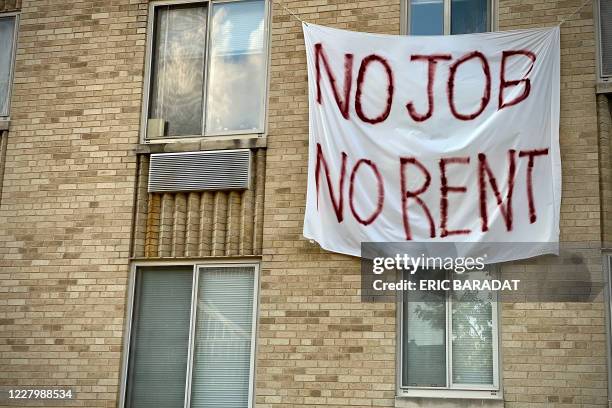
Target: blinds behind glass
point(159, 338)
point(224, 326)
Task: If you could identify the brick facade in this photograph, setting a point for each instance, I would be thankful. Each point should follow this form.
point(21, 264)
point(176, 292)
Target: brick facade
point(74, 209)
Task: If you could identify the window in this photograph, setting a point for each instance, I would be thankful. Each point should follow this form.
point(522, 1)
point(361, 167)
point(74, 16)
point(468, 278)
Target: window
point(207, 69)
point(604, 9)
point(439, 17)
point(8, 34)
point(192, 337)
point(449, 339)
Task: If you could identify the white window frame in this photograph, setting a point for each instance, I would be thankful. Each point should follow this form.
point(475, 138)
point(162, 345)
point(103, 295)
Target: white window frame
point(240, 134)
point(597, 20)
point(405, 16)
point(15, 14)
point(197, 266)
point(469, 391)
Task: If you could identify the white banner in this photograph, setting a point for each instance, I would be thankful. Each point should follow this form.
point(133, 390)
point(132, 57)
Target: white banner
point(434, 139)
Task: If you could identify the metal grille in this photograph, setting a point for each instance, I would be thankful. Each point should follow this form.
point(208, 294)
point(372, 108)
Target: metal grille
point(199, 171)
point(605, 24)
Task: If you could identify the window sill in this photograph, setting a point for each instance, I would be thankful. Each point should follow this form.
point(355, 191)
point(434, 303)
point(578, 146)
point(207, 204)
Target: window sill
point(178, 146)
point(447, 402)
point(603, 87)
point(4, 124)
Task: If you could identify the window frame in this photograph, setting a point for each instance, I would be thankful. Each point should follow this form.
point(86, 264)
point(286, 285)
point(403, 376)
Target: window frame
point(146, 97)
point(607, 272)
point(11, 78)
point(405, 16)
point(469, 391)
point(197, 266)
point(601, 78)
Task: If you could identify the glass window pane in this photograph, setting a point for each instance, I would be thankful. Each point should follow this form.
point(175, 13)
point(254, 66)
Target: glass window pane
point(237, 73)
point(424, 335)
point(177, 80)
point(472, 340)
point(469, 16)
point(426, 17)
point(160, 338)
point(605, 26)
point(7, 33)
point(222, 358)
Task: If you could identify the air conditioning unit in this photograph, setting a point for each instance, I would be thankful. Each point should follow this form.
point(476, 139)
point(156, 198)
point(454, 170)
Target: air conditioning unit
point(155, 128)
point(200, 171)
point(604, 14)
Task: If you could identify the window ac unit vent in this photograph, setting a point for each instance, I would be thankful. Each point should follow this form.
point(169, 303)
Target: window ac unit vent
point(198, 171)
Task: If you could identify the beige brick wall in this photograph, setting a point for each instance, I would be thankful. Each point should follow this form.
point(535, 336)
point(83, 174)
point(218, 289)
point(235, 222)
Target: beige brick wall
point(67, 198)
point(67, 207)
point(318, 344)
point(553, 354)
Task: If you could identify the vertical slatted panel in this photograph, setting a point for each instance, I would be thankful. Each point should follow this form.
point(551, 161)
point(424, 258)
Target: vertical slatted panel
point(10, 5)
point(259, 198)
point(207, 210)
point(219, 224)
point(247, 209)
point(166, 225)
point(193, 225)
point(142, 202)
point(180, 223)
point(234, 222)
point(201, 224)
point(153, 222)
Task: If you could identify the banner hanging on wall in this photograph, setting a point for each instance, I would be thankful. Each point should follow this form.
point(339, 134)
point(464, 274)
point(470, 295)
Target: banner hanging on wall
point(434, 139)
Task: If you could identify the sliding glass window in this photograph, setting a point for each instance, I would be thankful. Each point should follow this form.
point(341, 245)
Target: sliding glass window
point(207, 71)
point(192, 337)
